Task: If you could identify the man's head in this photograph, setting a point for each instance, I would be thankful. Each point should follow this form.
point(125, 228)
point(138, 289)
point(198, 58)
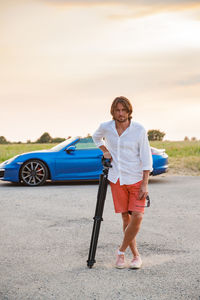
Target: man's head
point(121, 109)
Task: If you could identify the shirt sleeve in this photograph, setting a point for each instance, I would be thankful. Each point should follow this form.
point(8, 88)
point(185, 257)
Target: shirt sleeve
point(98, 136)
point(145, 153)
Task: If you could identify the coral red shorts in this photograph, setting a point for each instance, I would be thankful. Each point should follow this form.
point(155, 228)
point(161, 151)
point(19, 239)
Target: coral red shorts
point(126, 197)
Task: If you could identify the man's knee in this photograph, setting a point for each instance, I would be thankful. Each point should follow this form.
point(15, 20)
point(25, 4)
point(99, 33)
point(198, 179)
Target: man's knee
point(125, 218)
point(137, 216)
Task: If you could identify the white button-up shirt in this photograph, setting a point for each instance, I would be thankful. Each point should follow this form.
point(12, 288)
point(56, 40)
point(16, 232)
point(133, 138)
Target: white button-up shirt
point(130, 151)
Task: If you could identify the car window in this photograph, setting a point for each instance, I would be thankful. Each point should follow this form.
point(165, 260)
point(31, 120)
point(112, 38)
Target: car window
point(62, 145)
point(85, 143)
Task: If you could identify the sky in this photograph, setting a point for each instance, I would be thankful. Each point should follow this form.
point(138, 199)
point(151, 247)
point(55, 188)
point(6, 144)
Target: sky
point(62, 63)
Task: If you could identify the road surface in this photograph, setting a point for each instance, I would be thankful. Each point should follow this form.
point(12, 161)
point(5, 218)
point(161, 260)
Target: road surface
point(45, 235)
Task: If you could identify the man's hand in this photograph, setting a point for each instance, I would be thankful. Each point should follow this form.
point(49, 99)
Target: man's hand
point(143, 191)
point(107, 155)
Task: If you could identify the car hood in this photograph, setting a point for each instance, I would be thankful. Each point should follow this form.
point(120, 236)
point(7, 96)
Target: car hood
point(37, 151)
point(22, 156)
point(33, 152)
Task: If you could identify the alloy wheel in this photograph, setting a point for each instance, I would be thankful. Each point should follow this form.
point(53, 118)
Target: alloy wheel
point(34, 173)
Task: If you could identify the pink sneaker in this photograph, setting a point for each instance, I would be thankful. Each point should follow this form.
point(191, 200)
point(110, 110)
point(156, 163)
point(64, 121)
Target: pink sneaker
point(136, 262)
point(120, 262)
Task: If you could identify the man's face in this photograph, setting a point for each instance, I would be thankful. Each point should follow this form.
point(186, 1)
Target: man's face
point(120, 113)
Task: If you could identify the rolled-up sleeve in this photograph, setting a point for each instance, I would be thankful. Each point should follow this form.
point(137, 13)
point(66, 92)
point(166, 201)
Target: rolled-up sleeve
point(145, 153)
point(98, 136)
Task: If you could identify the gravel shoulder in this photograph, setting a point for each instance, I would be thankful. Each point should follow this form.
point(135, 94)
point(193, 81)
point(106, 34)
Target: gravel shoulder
point(45, 235)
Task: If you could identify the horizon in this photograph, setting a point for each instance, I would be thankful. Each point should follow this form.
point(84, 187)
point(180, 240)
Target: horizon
point(29, 141)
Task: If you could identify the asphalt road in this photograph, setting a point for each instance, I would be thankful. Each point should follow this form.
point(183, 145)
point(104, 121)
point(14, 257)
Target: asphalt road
point(45, 234)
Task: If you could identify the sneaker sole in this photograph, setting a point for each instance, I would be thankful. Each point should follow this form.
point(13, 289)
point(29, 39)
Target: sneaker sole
point(131, 267)
point(120, 267)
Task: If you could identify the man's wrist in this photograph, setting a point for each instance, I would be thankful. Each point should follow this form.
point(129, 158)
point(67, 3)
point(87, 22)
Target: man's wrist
point(145, 179)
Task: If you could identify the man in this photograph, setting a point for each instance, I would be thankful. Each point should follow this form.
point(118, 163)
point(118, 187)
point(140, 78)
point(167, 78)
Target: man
point(125, 142)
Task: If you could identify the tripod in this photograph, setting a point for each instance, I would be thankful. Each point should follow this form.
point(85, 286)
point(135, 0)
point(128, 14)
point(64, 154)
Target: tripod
point(101, 196)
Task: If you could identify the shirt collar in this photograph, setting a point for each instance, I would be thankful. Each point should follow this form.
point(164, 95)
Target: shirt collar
point(125, 131)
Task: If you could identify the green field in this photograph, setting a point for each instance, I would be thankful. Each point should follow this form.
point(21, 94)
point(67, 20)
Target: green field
point(184, 156)
point(179, 149)
point(9, 150)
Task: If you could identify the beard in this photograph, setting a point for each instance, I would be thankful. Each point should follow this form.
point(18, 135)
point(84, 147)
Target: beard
point(121, 120)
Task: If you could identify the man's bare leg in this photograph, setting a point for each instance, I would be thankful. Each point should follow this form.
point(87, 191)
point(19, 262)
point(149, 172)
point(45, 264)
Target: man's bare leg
point(126, 220)
point(131, 231)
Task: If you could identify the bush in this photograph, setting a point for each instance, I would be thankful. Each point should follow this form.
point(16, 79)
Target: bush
point(3, 140)
point(155, 135)
point(193, 139)
point(58, 140)
point(45, 138)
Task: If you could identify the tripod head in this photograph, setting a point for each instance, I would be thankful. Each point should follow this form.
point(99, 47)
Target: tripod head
point(106, 162)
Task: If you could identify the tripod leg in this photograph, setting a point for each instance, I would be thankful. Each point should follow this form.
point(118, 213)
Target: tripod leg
point(97, 220)
point(93, 244)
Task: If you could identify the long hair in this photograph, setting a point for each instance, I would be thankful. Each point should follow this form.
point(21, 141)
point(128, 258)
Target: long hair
point(126, 104)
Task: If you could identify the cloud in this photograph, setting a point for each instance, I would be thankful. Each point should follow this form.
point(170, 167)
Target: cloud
point(132, 3)
point(146, 10)
point(136, 9)
point(193, 80)
point(128, 2)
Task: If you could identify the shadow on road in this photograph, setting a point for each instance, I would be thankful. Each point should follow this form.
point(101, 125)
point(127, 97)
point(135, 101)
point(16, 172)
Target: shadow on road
point(49, 183)
point(152, 180)
point(160, 179)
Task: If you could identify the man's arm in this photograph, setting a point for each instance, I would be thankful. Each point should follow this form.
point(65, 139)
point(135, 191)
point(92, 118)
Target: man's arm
point(144, 186)
point(105, 151)
point(98, 140)
point(146, 159)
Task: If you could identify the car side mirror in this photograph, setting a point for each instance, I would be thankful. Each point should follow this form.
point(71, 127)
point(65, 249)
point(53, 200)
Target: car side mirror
point(70, 149)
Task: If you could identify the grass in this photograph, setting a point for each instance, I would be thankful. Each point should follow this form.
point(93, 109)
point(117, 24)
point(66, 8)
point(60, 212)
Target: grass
point(179, 149)
point(184, 156)
point(9, 150)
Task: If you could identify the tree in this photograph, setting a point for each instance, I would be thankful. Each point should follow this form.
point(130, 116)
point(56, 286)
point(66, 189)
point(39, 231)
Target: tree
point(193, 139)
point(57, 140)
point(186, 138)
point(155, 135)
point(3, 140)
point(45, 138)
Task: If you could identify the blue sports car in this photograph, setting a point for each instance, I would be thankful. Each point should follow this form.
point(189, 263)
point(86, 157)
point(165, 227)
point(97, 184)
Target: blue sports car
point(73, 159)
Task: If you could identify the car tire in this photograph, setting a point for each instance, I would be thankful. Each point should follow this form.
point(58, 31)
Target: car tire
point(33, 173)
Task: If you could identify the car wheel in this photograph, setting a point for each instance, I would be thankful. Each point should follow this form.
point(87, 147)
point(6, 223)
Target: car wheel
point(34, 173)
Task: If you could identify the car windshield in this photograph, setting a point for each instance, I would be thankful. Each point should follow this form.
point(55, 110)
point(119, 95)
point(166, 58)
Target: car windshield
point(63, 144)
point(85, 143)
